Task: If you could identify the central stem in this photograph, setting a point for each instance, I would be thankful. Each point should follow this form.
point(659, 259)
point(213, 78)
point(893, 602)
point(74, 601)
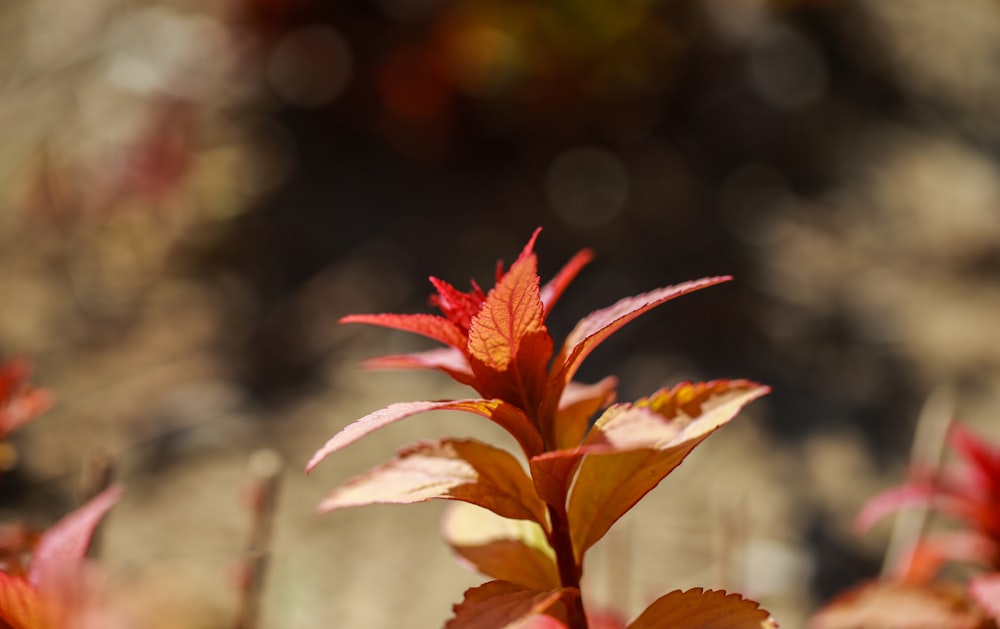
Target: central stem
point(569, 571)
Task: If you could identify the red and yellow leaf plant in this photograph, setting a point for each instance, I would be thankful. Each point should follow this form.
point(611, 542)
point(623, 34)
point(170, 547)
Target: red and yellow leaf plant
point(582, 476)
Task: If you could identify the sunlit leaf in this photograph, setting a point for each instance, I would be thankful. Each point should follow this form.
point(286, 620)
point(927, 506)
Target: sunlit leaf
point(509, 417)
point(450, 469)
point(900, 606)
point(703, 609)
point(20, 605)
point(500, 605)
point(577, 407)
point(631, 448)
point(431, 326)
point(593, 329)
point(509, 345)
point(554, 289)
point(985, 591)
point(66, 543)
point(447, 359)
point(510, 550)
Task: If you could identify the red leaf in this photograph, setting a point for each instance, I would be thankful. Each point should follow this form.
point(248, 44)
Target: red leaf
point(431, 326)
point(449, 469)
point(899, 606)
point(509, 418)
point(554, 289)
point(578, 405)
point(509, 345)
point(593, 329)
point(19, 402)
point(632, 448)
point(20, 605)
point(63, 546)
point(516, 551)
point(703, 609)
point(910, 495)
point(985, 591)
point(459, 307)
point(498, 604)
point(446, 359)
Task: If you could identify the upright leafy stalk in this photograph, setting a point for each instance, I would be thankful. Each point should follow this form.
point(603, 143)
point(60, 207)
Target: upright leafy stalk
point(498, 344)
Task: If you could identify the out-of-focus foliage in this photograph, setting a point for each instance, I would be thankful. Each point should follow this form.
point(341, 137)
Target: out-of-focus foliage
point(192, 193)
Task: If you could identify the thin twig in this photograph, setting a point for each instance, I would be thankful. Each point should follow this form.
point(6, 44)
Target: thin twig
point(265, 469)
point(926, 452)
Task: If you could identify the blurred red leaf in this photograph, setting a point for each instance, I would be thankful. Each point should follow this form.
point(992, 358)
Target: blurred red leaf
point(20, 605)
point(450, 469)
point(886, 604)
point(19, 401)
point(703, 609)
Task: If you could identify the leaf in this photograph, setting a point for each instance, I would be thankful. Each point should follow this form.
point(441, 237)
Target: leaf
point(431, 326)
point(19, 402)
point(917, 494)
point(578, 405)
point(985, 591)
point(64, 545)
point(554, 289)
point(499, 605)
point(510, 550)
point(509, 345)
point(457, 306)
point(509, 417)
point(703, 609)
point(450, 469)
point(538, 621)
point(446, 359)
point(20, 605)
point(897, 605)
point(632, 448)
point(593, 329)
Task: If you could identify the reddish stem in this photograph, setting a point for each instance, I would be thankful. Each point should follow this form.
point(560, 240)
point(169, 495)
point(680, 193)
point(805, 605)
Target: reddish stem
point(569, 570)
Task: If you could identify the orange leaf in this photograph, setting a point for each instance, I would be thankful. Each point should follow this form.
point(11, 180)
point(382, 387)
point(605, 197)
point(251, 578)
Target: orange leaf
point(509, 345)
point(64, 545)
point(431, 326)
point(578, 405)
point(632, 448)
point(703, 609)
point(499, 605)
point(593, 329)
point(449, 469)
point(20, 605)
point(510, 550)
point(509, 417)
point(900, 606)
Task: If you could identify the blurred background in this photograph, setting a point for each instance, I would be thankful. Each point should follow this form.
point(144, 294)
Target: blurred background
point(192, 193)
